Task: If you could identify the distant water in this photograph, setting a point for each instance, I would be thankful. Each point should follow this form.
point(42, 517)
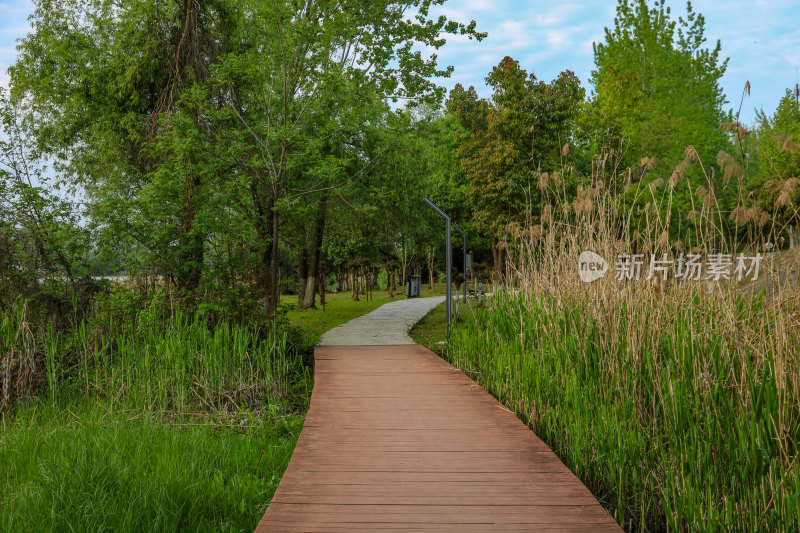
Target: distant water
point(112, 278)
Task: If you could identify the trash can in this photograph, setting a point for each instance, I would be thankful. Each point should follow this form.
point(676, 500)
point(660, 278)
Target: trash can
point(413, 285)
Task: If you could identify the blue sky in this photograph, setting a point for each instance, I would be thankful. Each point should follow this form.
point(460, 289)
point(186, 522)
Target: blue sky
point(761, 37)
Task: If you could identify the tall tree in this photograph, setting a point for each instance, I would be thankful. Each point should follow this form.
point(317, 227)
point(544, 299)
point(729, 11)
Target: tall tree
point(777, 184)
point(107, 114)
point(39, 232)
point(226, 112)
point(657, 92)
point(657, 86)
point(503, 142)
point(310, 69)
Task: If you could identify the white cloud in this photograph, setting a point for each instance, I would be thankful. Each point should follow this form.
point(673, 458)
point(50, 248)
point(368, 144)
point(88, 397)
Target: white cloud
point(514, 35)
point(453, 14)
point(555, 38)
point(480, 5)
point(15, 31)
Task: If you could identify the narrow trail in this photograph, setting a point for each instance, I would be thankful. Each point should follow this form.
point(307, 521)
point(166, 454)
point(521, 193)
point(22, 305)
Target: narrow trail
point(388, 324)
point(396, 438)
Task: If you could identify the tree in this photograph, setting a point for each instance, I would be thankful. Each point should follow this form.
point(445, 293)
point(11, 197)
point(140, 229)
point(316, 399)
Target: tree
point(657, 86)
point(228, 114)
point(309, 72)
point(118, 123)
point(430, 263)
point(657, 92)
point(777, 185)
point(39, 232)
point(503, 142)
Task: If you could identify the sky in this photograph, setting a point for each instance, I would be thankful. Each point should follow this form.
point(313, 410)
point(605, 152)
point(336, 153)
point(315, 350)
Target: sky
point(761, 37)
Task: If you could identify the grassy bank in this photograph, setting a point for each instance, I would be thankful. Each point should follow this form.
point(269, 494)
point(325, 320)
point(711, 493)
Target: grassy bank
point(431, 331)
point(676, 402)
point(693, 432)
point(142, 417)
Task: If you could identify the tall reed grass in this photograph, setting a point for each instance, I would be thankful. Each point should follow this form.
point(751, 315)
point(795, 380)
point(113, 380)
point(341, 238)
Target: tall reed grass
point(138, 416)
point(171, 363)
point(676, 402)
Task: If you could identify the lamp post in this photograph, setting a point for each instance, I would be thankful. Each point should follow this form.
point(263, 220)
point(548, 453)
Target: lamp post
point(464, 259)
point(449, 261)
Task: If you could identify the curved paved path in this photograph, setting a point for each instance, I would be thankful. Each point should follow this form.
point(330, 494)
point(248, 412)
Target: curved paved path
point(396, 438)
point(388, 324)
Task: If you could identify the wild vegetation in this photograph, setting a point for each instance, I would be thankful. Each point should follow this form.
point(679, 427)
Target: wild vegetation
point(252, 175)
point(675, 401)
point(141, 416)
point(208, 157)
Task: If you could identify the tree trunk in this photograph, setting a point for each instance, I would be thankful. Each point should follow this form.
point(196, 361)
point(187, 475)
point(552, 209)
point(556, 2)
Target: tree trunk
point(273, 289)
point(430, 253)
point(302, 276)
point(354, 282)
point(389, 289)
point(309, 299)
point(190, 254)
point(404, 266)
point(794, 236)
point(498, 258)
point(263, 203)
point(321, 288)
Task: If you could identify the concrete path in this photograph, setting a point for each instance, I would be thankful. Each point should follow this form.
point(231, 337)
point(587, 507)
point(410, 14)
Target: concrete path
point(387, 325)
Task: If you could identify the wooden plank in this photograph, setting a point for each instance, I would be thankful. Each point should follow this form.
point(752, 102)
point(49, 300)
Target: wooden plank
point(396, 438)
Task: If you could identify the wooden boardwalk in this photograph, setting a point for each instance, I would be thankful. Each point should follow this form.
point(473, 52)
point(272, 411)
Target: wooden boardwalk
point(396, 438)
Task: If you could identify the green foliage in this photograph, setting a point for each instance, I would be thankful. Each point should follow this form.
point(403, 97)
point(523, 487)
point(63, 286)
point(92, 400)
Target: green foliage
point(687, 436)
point(656, 85)
point(39, 232)
point(128, 412)
point(502, 143)
point(381, 213)
point(147, 356)
point(230, 117)
point(68, 467)
point(135, 137)
point(777, 184)
point(657, 92)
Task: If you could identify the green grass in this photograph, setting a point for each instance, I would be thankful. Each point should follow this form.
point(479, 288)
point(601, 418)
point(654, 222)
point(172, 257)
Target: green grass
point(87, 469)
point(147, 420)
point(431, 331)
